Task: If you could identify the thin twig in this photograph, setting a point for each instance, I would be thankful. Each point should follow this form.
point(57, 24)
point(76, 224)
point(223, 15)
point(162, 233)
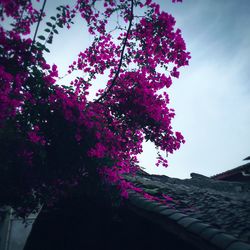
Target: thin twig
point(37, 27)
point(121, 58)
point(21, 16)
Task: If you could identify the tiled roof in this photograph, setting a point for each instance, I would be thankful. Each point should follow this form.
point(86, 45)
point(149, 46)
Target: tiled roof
point(215, 213)
point(240, 169)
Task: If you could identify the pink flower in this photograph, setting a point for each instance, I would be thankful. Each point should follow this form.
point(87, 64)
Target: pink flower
point(167, 198)
point(34, 137)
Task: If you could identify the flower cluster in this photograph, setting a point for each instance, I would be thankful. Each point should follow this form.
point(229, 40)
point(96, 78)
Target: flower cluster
point(22, 12)
point(51, 137)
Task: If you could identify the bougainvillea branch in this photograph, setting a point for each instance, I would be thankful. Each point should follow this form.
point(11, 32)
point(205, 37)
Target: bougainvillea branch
point(122, 54)
point(53, 139)
point(38, 24)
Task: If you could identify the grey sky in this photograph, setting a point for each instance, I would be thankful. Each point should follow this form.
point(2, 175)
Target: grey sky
point(212, 96)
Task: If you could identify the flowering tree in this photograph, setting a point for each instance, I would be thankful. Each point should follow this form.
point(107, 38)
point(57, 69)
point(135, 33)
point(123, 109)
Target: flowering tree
point(51, 136)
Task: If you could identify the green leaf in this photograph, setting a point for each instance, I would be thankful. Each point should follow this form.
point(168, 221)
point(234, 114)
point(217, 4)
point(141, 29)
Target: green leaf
point(39, 44)
point(59, 24)
point(55, 31)
point(53, 18)
point(49, 24)
point(47, 30)
point(47, 50)
point(68, 87)
point(50, 40)
point(41, 37)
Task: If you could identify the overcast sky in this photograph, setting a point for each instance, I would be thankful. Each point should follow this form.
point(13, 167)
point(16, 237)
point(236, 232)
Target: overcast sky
point(212, 96)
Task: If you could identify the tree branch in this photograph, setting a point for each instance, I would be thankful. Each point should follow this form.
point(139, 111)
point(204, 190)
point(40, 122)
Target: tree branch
point(122, 54)
point(37, 27)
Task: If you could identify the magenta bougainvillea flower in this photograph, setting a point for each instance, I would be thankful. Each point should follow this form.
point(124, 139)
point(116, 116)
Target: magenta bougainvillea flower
point(52, 138)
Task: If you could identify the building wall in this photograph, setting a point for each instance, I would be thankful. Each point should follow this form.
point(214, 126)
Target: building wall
point(14, 231)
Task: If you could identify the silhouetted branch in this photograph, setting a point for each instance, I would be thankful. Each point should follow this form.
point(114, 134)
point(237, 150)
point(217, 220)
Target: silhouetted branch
point(121, 58)
point(37, 27)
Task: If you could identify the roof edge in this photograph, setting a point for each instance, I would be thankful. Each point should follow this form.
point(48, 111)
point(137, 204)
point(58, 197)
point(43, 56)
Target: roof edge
point(199, 234)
